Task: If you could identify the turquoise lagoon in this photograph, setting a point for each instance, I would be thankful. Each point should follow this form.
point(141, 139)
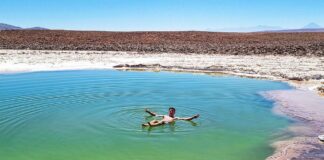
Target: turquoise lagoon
point(97, 115)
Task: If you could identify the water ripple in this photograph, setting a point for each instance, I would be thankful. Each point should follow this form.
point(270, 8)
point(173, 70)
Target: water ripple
point(107, 102)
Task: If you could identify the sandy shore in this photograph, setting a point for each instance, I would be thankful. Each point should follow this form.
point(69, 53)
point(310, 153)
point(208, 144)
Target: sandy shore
point(305, 73)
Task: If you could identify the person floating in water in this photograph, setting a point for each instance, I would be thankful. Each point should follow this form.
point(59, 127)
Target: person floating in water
point(166, 118)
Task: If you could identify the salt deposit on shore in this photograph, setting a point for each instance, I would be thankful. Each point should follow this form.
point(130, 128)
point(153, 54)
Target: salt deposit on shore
point(308, 109)
point(306, 73)
point(290, 67)
point(270, 67)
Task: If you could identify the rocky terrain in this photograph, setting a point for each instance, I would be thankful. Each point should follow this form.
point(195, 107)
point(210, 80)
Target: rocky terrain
point(297, 44)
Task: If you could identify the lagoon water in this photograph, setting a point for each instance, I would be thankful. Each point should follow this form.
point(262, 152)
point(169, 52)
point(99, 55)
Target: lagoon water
point(97, 115)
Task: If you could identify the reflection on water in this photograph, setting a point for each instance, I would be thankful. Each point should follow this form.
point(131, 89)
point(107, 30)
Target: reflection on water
point(98, 115)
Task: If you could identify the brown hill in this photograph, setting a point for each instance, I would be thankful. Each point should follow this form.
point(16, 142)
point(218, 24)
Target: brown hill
point(300, 44)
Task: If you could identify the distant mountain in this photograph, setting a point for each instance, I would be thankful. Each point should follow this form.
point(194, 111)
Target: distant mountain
point(36, 28)
point(312, 26)
point(299, 30)
point(4, 26)
point(248, 29)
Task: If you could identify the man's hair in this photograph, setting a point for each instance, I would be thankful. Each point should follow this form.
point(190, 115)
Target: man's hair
point(172, 108)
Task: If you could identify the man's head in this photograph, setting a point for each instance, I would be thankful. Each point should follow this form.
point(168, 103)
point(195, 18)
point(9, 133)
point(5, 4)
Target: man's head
point(172, 111)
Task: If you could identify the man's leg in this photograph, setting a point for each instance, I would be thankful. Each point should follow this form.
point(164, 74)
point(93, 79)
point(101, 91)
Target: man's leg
point(153, 123)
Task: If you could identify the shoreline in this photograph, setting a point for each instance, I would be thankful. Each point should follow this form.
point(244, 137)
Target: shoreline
point(307, 110)
point(299, 71)
point(306, 74)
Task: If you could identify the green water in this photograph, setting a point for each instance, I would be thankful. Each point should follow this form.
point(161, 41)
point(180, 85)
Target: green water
point(96, 115)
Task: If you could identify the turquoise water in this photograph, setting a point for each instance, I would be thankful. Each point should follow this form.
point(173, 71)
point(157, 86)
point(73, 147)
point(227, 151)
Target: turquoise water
point(97, 115)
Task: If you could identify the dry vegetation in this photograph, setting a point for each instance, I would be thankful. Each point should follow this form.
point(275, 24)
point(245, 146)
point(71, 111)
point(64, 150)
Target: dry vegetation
point(301, 44)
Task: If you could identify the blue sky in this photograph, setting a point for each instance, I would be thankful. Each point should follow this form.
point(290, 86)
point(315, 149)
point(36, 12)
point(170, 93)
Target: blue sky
point(139, 15)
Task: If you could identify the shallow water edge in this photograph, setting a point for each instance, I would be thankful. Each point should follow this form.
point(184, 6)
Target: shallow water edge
point(307, 109)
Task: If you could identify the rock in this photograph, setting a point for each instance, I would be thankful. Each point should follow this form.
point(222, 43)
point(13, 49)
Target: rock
point(296, 78)
point(321, 90)
point(121, 66)
point(216, 68)
point(318, 77)
point(139, 66)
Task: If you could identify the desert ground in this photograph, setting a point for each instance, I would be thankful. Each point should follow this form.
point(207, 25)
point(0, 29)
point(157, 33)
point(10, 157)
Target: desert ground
point(297, 44)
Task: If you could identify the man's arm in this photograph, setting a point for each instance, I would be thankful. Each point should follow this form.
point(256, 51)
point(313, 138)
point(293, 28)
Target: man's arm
point(149, 112)
point(189, 118)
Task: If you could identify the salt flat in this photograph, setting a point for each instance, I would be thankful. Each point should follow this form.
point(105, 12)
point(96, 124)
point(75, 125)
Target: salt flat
point(268, 66)
point(288, 67)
